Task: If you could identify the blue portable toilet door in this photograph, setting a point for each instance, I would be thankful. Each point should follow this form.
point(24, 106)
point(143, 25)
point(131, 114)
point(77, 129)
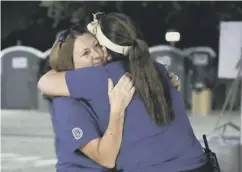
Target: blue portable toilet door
point(19, 80)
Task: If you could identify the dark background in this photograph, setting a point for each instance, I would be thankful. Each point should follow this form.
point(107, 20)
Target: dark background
point(36, 23)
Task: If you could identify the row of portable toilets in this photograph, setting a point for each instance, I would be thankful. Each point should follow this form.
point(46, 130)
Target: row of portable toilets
point(20, 68)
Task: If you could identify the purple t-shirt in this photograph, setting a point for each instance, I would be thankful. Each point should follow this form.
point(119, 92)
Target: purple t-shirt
point(145, 146)
point(74, 125)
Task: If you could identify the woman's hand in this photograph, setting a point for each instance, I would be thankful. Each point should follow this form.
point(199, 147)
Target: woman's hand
point(121, 94)
point(105, 150)
point(175, 81)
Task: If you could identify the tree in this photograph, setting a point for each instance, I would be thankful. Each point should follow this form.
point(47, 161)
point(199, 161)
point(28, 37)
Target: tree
point(16, 18)
point(75, 11)
point(176, 11)
point(197, 14)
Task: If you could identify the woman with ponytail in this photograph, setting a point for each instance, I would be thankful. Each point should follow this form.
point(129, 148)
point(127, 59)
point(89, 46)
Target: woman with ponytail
point(157, 135)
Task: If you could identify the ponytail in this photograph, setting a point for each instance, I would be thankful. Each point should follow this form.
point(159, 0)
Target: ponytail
point(149, 84)
point(148, 81)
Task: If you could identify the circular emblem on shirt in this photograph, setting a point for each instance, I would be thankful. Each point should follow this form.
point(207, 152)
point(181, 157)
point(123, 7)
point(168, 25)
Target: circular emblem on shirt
point(77, 133)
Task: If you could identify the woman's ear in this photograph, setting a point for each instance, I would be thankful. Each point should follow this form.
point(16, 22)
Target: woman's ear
point(106, 55)
point(105, 52)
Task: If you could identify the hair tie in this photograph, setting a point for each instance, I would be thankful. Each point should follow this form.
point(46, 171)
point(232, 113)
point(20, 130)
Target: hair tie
point(62, 36)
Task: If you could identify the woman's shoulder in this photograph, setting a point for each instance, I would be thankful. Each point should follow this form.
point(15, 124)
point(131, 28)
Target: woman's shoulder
point(69, 104)
point(64, 100)
point(162, 69)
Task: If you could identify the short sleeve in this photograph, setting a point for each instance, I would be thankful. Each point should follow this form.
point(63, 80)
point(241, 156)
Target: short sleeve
point(75, 125)
point(162, 69)
point(165, 74)
point(87, 82)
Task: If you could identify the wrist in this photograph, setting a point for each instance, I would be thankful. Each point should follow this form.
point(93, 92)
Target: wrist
point(116, 122)
point(116, 113)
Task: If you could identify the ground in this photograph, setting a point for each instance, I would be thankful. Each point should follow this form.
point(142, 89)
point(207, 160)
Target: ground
point(28, 144)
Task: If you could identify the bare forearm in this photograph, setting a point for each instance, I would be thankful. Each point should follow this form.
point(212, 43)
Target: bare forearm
point(109, 145)
point(53, 84)
point(106, 149)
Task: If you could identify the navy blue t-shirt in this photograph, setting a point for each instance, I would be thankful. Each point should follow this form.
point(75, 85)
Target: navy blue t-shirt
point(74, 125)
point(145, 146)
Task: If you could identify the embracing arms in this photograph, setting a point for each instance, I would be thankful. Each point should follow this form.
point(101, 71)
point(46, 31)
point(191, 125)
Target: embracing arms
point(81, 132)
point(55, 83)
point(105, 150)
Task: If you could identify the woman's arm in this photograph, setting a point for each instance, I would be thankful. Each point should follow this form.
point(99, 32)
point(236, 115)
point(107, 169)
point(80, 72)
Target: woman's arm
point(53, 84)
point(79, 83)
point(103, 150)
point(71, 83)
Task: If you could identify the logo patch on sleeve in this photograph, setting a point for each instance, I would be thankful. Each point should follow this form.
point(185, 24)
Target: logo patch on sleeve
point(77, 133)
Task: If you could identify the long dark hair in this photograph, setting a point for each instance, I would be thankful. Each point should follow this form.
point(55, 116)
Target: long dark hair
point(148, 81)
